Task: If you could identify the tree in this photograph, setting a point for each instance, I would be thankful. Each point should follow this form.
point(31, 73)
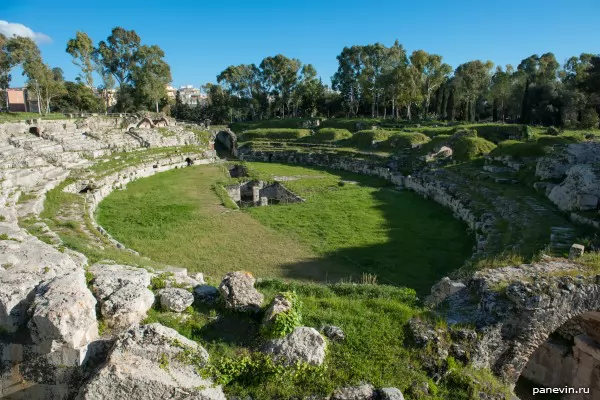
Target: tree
point(118, 55)
point(151, 75)
point(47, 83)
point(501, 90)
point(82, 50)
point(432, 73)
point(347, 77)
point(78, 97)
point(280, 74)
point(472, 80)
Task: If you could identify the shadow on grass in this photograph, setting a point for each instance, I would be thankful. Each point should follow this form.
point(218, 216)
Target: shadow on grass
point(424, 244)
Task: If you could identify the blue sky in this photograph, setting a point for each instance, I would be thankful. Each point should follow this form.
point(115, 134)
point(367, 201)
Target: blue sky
point(201, 38)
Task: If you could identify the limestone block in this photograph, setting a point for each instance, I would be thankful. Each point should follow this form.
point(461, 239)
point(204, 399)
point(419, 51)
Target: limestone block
point(150, 362)
point(587, 202)
point(237, 289)
point(576, 251)
point(304, 344)
point(175, 299)
point(390, 394)
point(64, 311)
point(361, 392)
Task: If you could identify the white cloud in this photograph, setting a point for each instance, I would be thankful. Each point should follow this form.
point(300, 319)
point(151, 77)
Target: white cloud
point(10, 29)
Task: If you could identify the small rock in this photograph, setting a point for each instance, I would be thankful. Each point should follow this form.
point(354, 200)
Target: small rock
point(237, 289)
point(334, 332)
point(390, 394)
point(576, 251)
point(362, 392)
point(206, 293)
point(175, 299)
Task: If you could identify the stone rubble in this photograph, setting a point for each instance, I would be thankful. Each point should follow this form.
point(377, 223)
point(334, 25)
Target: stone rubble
point(175, 299)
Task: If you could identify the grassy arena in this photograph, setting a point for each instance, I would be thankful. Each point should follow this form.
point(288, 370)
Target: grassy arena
point(341, 232)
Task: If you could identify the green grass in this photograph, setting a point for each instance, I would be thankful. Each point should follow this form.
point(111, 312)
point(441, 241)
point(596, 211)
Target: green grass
point(365, 138)
point(273, 134)
point(375, 350)
point(22, 116)
point(331, 135)
point(291, 123)
point(341, 231)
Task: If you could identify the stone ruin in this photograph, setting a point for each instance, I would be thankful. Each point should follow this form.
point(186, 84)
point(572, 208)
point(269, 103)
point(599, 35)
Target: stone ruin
point(258, 193)
point(538, 321)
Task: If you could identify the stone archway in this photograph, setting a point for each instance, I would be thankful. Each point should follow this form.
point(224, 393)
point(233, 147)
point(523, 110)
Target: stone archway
point(228, 140)
point(516, 309)
point(145, 123)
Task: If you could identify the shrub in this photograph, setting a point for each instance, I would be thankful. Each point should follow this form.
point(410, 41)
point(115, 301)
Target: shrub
point(332, 134)
point(285, 322)
point(517, 149)
point(552, 131)
point(589, 119)
point(366, 138)
point(500, 132)
point(406, 140)
point(353, 125)
point(274, 133)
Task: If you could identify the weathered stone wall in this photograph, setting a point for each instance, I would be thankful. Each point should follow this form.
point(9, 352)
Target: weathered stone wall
point(281, 193)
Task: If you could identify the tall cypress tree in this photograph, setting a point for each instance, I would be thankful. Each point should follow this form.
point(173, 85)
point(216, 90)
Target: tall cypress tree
point(525, 117)
point(450, 106)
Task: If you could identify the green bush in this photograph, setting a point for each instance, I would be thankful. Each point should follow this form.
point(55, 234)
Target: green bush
point(406, 140)
point(500, 132)
point(285, 322)
point(589, 119)
point(331, 134)
point(464, 132)
point(468, 148)
point(552, 131)
point(274, 134)
point(366, 138)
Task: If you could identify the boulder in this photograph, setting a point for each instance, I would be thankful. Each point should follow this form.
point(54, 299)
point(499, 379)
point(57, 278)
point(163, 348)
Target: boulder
point(175, 299)
point(443, 289)
point(576, 251)
point(579, 190)
point(334, 332)
point(123, 293)
point(152, 362)
point(237, 289)
point(27, 262)
point(64, 311)
point(206, 293)
point(390, 394)
point(304, 344)
point(361, 392)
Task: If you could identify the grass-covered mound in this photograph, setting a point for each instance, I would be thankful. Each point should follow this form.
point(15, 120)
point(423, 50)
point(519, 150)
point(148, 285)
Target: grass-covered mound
point(288, 123)
point(331, 135)
point(273, 134)
point(376, 349)
point(342, 230)
point(406, 140)
point(537, 147)
point(351, 124)
point(365, 138)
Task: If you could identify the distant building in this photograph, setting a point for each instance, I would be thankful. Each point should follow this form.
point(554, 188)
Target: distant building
point(171, 92)
point(19, 101)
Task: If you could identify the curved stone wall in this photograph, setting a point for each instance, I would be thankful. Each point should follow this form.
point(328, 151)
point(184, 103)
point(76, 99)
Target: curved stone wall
point(424, 184)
